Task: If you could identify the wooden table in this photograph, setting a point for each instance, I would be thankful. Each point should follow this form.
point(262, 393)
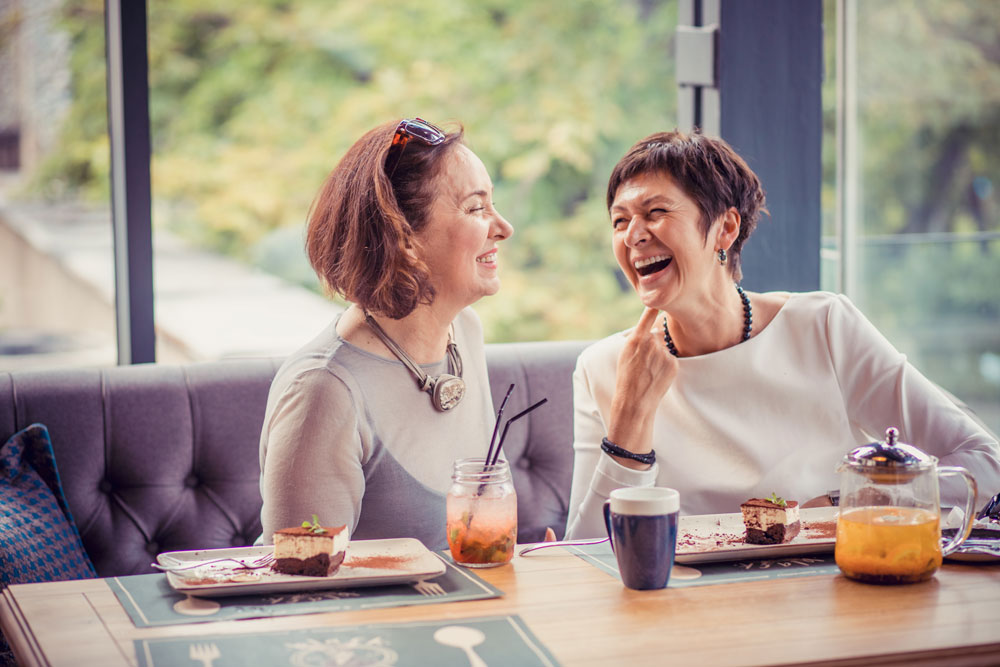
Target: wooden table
point(586, 617)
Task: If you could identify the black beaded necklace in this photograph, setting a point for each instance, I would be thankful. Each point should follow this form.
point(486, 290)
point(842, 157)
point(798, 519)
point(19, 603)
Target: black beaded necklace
point(747, 323)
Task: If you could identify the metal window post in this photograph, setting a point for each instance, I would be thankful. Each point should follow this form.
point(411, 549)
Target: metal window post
point(128, 129)
point(846, 215)
point(761, 92)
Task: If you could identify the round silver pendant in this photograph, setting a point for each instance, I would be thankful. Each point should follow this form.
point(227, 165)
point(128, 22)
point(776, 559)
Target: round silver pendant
point(448, 391)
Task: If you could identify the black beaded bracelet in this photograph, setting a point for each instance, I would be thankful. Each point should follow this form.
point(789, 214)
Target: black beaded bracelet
point(615, 450)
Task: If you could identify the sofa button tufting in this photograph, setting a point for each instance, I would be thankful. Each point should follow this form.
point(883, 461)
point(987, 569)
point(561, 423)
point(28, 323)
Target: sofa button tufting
point(524, 463)
point(238, 541)
point(153, 548)
point(191, 481)
point(104, 486)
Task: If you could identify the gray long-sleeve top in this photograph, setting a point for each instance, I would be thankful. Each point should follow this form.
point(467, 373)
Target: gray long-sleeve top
point(349, 436)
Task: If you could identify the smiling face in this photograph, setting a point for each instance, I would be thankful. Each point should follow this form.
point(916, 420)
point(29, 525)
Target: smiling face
point(460, 238)
point(659, 243)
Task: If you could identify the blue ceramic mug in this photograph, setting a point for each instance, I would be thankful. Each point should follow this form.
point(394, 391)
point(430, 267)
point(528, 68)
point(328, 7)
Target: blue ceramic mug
point(642, 525)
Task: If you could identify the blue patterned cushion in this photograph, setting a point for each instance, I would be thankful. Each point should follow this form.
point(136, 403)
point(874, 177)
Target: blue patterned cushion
point(38, 538)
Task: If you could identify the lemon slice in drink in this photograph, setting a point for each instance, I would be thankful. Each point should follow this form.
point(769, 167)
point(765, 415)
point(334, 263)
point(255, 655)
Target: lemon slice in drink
point(904, 554)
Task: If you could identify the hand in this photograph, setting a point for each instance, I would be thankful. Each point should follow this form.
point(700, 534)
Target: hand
point(645, 371)
point(550, 535)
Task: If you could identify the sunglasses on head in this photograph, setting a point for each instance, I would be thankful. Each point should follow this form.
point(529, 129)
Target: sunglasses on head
point(411, 128)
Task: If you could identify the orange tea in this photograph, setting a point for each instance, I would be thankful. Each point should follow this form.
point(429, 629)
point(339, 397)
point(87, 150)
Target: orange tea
point(481, 513)
point(482, 531)
point(888, 545)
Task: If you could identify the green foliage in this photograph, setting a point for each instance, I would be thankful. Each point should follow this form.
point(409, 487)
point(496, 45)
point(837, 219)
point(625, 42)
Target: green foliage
point(81, 166)
point(252, 104)
point(928, 95)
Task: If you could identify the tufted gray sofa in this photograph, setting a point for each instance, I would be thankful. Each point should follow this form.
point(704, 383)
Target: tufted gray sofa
point(162, 457)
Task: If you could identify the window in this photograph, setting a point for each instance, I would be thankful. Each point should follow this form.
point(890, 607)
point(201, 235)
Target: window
point(252, 105)
point(916, 241)
point(56, 267)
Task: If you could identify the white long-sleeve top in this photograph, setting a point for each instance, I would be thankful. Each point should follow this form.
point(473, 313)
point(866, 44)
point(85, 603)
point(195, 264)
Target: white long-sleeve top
point(775, 414)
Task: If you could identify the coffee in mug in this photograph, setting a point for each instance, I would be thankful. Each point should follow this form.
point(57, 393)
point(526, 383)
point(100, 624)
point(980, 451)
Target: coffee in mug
point(642, 525)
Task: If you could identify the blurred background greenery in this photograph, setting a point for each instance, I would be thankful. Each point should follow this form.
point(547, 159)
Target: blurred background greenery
point(253, 103)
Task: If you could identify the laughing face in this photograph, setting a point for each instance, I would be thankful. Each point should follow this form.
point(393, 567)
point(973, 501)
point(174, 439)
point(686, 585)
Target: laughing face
point(658, 240)
point(462, 232)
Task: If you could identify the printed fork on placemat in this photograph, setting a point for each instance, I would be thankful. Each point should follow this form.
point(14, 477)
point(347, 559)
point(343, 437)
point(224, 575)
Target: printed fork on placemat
point(206, 654)
point(429, 588)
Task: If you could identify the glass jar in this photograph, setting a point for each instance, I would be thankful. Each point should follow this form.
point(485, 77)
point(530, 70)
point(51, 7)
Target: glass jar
point(481, 513)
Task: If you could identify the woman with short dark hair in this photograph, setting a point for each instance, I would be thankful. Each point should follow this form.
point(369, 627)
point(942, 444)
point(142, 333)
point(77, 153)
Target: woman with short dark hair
point(741, 394)
point(364, 422)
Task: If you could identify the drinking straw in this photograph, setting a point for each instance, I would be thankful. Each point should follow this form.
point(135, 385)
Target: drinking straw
point(496, 427)
point(507, 426)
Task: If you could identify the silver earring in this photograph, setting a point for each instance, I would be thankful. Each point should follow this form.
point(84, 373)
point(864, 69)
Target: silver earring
point(722, 255)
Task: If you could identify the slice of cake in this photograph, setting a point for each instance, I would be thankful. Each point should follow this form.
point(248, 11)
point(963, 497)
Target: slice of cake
point(770, 520)
point(310, 549)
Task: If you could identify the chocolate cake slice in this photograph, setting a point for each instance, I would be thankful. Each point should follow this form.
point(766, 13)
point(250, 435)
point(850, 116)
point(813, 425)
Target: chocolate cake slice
point(315, 551)
point(769, 522)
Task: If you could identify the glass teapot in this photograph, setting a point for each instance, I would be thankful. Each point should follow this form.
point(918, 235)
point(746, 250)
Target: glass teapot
point(889, 526)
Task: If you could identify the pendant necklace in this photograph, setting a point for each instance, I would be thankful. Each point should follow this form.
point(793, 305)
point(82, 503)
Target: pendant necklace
point(447, 389)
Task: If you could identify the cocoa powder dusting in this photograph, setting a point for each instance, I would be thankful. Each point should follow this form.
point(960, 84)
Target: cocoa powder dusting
point(688, 542)
point(820, 529)
point(378, 562)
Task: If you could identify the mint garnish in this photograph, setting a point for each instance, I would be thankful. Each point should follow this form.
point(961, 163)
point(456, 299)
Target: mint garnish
point(777, 500)
point(314, 527)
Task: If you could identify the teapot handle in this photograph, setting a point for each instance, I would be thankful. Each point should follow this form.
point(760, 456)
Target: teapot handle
point(969, 509)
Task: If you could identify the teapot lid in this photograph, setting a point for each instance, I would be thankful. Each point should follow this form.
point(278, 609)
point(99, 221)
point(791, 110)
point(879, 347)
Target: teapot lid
point(889, 454)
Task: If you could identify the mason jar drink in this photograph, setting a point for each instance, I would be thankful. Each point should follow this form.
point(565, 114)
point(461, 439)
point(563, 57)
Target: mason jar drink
point(481, 513)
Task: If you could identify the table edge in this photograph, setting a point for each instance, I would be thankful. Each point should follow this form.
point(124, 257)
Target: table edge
point(26, 649)
point(975, 655)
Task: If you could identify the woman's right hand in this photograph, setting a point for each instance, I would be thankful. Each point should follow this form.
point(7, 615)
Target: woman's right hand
point(646, 370)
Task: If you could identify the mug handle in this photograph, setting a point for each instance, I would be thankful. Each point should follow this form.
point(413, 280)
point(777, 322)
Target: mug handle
point(969, 509)
point(607, 524)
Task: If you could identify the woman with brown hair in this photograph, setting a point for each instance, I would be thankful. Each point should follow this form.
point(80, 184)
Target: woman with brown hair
point(742, 394)
point(364, 422)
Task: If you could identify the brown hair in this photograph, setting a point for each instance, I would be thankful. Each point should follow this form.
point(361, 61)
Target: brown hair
point(708, 170)
point(362, 225)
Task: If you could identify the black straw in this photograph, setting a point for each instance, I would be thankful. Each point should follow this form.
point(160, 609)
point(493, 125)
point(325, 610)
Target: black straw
point(507, 426)
point(496, 427)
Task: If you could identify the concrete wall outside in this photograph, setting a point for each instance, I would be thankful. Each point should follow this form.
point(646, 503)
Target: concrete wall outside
point(57, 292)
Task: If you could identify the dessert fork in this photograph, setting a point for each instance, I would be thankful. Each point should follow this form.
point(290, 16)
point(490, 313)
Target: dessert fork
point(256, 564)
point(206, 654)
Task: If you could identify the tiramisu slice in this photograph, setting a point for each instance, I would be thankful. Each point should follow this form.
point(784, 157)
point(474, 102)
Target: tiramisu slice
point(770, 520)
point(310, 549)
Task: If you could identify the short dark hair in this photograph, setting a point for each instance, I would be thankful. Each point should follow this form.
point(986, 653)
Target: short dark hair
point(361, 237)
point(708, 170)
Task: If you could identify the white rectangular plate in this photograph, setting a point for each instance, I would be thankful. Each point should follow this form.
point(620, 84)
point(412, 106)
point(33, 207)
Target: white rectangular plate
point(704, 538)
point(368, 563)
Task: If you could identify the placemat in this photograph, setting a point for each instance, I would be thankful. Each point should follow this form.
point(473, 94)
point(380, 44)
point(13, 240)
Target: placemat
point(499, 640)
point(707, 574)
point(150, 600)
